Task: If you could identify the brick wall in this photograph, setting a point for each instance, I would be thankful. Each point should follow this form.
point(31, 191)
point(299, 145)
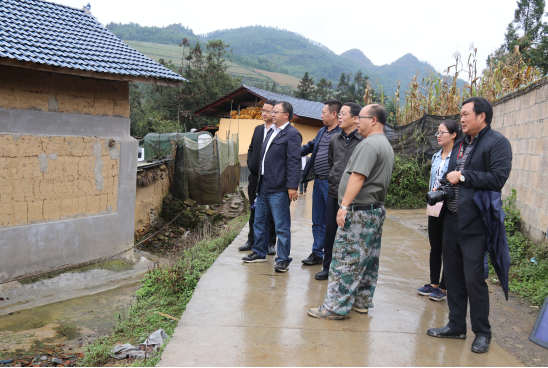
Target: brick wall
point(52, 178)
point(523, 118)
point(26, 89)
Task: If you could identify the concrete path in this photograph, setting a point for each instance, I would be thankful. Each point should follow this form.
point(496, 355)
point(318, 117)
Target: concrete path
point(248, 315)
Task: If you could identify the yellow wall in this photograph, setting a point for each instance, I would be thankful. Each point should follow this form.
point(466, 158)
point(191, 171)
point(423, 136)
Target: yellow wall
point(149, 199)
point(25, 89)
point(247, 126)
point(52, 178)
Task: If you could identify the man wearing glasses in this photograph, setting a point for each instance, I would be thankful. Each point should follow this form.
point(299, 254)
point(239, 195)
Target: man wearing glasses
point(253, 158)
point(362, 192)
point(318, 162)
point(280, 169)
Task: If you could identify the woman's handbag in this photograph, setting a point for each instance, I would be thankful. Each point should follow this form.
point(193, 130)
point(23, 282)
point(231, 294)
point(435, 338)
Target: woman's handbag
point(434, 210)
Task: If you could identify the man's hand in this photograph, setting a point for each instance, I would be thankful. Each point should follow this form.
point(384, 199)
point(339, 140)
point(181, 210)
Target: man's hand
point(293, 195)
point(454, 177)
point(341, 217)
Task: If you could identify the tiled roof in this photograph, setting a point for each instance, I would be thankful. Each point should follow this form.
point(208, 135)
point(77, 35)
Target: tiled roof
point(304, 108)
point(57, 35)
point(301, 108)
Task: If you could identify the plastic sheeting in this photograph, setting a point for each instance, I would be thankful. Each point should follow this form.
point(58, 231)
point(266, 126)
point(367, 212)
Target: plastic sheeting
point(417, 137)
point(161, 144)
point(205, 172)
point(148, 347)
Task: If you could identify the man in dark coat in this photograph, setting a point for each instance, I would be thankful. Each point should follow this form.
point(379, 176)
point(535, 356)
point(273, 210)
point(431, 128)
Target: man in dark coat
point(319, 147)
point(280, 169)
point(253, 158)
point(341, 148)
point(464, 232)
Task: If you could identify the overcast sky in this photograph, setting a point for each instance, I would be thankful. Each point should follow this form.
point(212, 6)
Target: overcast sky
point(384, 30)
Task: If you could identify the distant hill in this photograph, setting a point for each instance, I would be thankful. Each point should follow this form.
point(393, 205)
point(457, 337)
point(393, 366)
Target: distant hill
point(275, 50)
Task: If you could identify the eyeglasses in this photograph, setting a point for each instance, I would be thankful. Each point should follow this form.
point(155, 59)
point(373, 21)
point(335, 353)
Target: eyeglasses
point(277, 112)
point(439, 134)
point(365, 117)
point(341, 115)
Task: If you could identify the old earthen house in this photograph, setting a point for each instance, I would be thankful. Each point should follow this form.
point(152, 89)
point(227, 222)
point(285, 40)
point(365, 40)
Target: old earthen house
point(67, 161)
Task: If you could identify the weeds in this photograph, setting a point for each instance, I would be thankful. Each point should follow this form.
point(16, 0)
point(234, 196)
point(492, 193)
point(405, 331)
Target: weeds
point(529, 264)
point(165, 289)
point(409, 182)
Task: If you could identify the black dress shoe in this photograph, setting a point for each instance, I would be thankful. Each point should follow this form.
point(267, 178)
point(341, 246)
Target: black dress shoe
point(481, 344)
point(312, 259)
point(445, 331)
point(247, 246)
point(271, 249)
point(322, 275)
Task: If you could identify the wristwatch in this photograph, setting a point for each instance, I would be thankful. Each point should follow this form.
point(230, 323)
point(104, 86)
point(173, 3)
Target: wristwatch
point(344, 208)
point(462, 178)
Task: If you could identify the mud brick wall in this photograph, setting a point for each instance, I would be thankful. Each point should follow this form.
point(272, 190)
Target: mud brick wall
point(52, 178)
point(66, 196)
point(149, 199)
point(25, 89)
point(523, 118)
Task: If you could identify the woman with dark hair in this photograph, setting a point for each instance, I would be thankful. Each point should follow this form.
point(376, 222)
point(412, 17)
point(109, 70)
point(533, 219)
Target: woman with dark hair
point(448, 132)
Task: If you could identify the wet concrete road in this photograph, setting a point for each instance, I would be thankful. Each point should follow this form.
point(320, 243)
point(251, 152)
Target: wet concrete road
point(248, 315)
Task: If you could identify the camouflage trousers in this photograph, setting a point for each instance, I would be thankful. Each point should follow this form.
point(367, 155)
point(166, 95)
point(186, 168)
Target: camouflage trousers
point(355, 265)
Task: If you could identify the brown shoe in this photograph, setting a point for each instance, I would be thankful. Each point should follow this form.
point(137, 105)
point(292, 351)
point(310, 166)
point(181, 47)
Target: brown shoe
point(321, 312)
point(362, 310)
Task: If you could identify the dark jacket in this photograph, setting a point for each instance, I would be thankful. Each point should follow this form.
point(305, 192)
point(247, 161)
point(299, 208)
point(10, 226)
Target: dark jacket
point(488, 171)
point(254, 151)
point(338, 156)
point(282, 165)
point(312, 146)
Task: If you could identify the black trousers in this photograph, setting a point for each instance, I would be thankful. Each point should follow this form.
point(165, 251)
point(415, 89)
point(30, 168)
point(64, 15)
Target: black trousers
point(463, 256)
point(435, 235)
point(331, 209)
point(252, 193)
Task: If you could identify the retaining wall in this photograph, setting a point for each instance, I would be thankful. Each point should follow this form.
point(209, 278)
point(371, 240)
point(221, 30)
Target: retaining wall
point(523, 118)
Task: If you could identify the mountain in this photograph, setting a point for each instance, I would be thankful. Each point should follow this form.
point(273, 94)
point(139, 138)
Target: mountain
point(277, 50)
point(358, 57)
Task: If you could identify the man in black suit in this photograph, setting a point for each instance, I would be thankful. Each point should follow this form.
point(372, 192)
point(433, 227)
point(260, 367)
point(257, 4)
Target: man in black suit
point(253, 158)
point(280, 169)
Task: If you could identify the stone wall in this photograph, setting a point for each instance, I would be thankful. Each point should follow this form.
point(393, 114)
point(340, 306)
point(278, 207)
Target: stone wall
point(149, 198)
point(523, 118)
point(51, 178)
point(25, 89)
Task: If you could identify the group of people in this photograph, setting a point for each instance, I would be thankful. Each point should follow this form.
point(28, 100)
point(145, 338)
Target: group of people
point(351, 163)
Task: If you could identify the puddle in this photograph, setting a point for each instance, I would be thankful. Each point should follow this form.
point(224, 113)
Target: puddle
point(72, 323)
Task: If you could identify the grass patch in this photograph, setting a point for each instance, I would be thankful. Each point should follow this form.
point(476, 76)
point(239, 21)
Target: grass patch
point(165, 289)
point(409, 182)
point(528, 275)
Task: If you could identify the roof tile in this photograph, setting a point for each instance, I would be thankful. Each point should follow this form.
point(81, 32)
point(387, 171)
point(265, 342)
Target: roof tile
point(53, 34)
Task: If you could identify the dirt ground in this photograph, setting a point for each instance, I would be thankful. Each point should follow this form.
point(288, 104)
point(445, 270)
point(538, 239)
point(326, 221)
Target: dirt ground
point(511, 321)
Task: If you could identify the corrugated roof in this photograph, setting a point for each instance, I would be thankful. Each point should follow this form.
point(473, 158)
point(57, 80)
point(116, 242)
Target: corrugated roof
point(57, 35)
point(301, 108)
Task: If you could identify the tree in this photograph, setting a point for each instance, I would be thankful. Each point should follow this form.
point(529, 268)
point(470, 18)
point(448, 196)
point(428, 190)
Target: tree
point(532, 42)
point(342, 92)
point(305, 89)
point(324, 90)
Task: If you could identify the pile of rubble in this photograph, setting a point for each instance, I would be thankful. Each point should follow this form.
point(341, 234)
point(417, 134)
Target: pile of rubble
point(54, 357)
point(179, 222)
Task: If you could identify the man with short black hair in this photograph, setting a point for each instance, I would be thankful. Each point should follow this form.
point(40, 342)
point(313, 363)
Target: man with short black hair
point(341, 147)
point(318, 162)
point(482, 160)
point(362, 192)
point(280, 169)
point(253, 158)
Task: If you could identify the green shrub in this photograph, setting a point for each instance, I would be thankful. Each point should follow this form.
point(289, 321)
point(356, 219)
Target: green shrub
point(528, 276)
point(409, 183)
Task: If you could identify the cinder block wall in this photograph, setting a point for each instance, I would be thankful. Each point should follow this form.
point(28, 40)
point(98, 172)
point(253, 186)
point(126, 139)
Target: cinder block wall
point(67, 171)
point(523, 118)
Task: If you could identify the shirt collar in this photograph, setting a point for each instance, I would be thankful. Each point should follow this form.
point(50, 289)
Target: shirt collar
point(349, 135)
point(282, 127)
